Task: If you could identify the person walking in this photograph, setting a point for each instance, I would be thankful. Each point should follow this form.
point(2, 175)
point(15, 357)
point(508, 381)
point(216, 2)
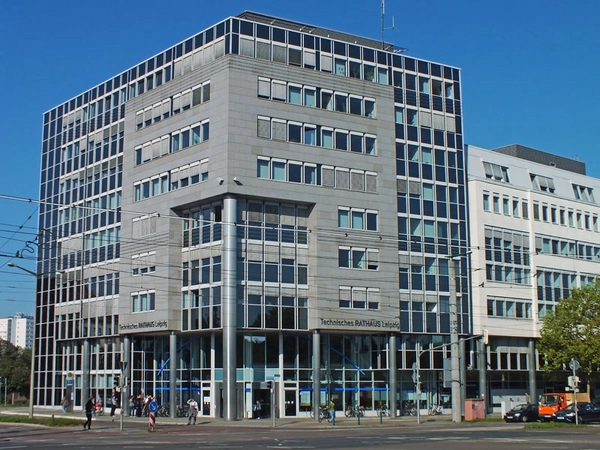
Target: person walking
point(114, 401)
point(89, 408)
point(331, 409)
point(193, 412)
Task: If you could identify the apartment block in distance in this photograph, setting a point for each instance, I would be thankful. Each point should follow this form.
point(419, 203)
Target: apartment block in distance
point(18, 330)
point(534, 226)
point(265, 204)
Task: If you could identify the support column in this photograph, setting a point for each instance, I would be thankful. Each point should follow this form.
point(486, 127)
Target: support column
point(126, 376)
point(316, 373)
point(229, 305)
point(533, 396)
point(454, 351)
point(173, 374)
point(393, 387)
point(85, 375)
point(463, 377)
point(482, 363)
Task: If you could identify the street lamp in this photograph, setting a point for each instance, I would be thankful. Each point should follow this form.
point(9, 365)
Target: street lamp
point(32, 376)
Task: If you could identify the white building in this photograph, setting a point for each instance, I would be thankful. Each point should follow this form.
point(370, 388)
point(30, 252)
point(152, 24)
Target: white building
point(535, 236)
point(18, 330)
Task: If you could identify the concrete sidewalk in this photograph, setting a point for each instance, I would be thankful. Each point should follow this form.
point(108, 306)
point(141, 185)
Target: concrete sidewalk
point(294, 422)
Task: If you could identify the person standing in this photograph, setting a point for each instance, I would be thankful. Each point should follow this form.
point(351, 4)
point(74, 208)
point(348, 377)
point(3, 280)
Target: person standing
point(113, 403)
point(256, 410)
point(331, 408)
point(193, 411)
point(64, 403)
point(89, 408)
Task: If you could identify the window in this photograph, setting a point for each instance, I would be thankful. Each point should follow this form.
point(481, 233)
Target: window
point(541, 183)
point(495, 172)
point(142, 301)
point(583, 193)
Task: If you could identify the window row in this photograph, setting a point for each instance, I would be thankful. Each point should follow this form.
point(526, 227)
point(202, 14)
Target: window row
point(315, 97)
point(507, 274)
point(171, 143)
point(97, 212)
point(358, 297)
point(357, 219)
point(508, 307)
point(429, 236)
point(514, 207)
point(417, 316)
point(287, 271)
point(572, 249)
point(142, 301)
point(316, 174)
point(202, 226)
point(273, 222)
point(433, 276)
point(201, 308)
point(509, 247)
point(177, 178)
point(428, 204)
point(358, 258)
point(573, 219)
point(447, 166)
point(70, 287)
point(553, 286)
point(143, 263)
point(309, 134)
point(173, 105)
point(415, 118)
point(201, 271)
point(273, 311)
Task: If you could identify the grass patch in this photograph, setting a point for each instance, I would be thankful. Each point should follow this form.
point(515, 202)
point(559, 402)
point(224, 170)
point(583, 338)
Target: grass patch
point(535, 425)
point(487, 419)
point(45, 421)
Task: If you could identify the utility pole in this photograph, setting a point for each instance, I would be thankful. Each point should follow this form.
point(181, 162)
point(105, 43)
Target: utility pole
point(454, 356)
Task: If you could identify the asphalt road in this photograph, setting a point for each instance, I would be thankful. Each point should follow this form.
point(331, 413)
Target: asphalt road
point(304, 435)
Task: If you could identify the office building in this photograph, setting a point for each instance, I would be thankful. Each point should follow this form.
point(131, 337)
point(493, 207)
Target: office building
point(264, 202)
point(534, 233)
point(18, 330)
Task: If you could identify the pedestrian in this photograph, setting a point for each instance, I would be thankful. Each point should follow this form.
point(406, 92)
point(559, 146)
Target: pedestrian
point(131, 404)
point(64, 403)
point(193, 411)
point(331, 409)
point(256, 410)
point(114, 401)
point(89, 408)
point(527, 398)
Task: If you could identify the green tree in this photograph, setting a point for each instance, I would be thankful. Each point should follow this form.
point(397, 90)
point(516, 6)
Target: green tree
point(15, 367)
point(573, 330)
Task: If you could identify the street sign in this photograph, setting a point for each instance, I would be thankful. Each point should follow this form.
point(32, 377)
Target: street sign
point(153, 406)
point(574, 364)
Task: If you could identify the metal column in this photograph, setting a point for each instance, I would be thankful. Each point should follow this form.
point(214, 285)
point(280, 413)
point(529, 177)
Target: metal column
point(533, 397)
point(229, 308)
point(85, 375)
point(393, 371)
point(126, 376)
point(482, 363)
point(454, 351)
point(316, 373)
point(463, 377)
point(173, 374)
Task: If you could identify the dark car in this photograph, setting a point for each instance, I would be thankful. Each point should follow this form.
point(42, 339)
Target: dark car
point(522, 413)
point(587, 412)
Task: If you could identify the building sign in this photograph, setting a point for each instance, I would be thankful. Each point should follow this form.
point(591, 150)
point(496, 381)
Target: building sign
point(143, 325)
point(360, 323)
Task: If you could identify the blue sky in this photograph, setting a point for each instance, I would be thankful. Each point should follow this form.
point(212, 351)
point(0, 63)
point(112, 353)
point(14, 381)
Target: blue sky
point(529, 71)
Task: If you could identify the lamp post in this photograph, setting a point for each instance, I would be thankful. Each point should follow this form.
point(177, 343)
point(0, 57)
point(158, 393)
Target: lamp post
point(32, 376)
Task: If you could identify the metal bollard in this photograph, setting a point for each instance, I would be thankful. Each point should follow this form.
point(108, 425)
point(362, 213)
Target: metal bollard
point(358, 416)
point(380, 418)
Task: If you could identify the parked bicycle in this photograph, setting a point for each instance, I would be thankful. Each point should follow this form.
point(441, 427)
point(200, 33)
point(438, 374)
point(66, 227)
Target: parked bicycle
point(383, 411)
point(435, 410)
point(351, 411)
point(163, 411)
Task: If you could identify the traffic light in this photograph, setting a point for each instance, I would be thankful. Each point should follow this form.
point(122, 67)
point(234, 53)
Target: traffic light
point(117, 381)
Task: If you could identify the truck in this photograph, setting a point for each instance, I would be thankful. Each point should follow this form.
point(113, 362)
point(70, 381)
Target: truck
point(552, 402)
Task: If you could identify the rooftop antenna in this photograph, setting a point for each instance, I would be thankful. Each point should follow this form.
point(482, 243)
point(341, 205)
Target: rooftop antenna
point(383, 28)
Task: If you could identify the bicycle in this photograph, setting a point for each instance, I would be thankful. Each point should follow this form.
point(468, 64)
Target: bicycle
point(435, 410)
point(182, 411)
point(384, 411)
point(324, 414)
point(351, 411)
point(163, 411)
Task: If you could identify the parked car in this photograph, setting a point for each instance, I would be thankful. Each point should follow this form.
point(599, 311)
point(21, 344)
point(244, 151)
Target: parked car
point(587, 412)
point(526, 412)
